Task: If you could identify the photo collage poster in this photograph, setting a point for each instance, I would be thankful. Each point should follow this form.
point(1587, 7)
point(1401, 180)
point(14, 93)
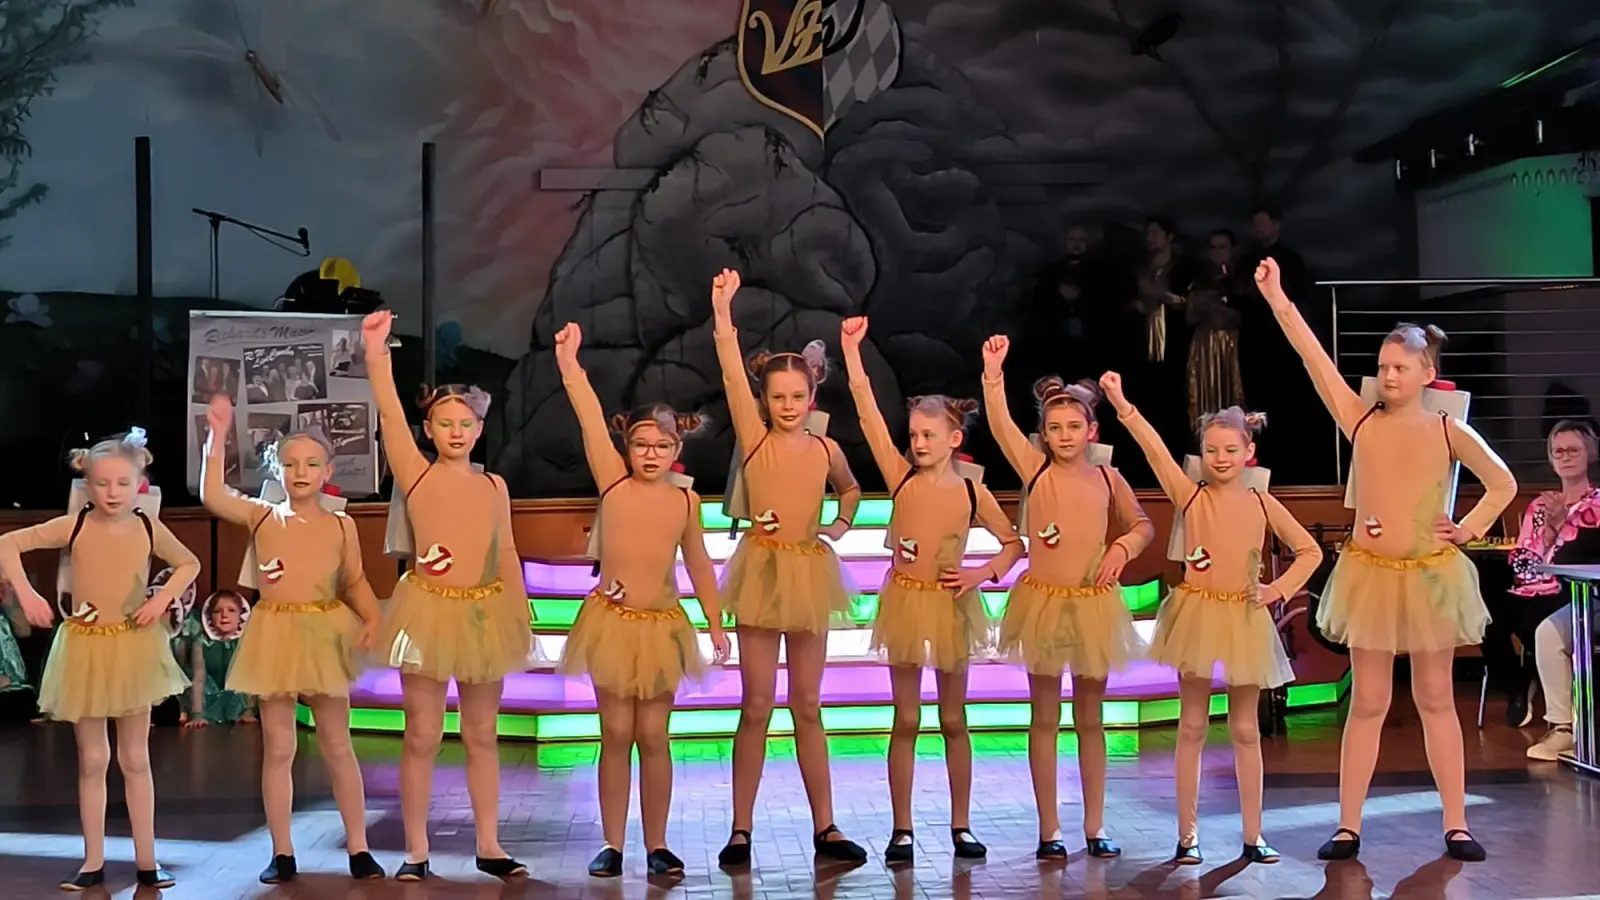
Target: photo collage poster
point(284, 372)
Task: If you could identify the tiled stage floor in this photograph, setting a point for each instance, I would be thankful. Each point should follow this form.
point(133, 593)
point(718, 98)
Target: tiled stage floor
point(1541, 826)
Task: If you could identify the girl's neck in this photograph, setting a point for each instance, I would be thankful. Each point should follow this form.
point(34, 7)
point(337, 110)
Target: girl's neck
point(308, 506)
point(1234, 484)
point(1401, 406)
point(939, 471)
point(1574, 489)
point(463, 463)
point(1079, 463)
point(106, 518)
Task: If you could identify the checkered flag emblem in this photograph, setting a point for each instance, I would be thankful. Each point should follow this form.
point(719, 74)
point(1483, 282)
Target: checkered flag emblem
point(865, 66)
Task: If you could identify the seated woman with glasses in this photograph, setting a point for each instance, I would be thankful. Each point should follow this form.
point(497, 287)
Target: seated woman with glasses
point(1559, 527)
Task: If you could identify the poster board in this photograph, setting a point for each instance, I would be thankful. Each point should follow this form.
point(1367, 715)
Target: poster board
point(1254, 477)
point(1099, 455)
point(1454, 403)
point(675, 477)
point(272, 492)
point(148, 502)
point(284, 371)
point(397, 540)
point(735, 500)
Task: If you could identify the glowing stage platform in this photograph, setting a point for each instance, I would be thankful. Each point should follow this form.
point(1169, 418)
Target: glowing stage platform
point(541, 704)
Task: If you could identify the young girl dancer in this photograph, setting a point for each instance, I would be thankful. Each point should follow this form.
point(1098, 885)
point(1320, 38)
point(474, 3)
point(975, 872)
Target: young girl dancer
point(782, 584)
point(210, 652)
point(316, 611)
point(469, 623)
point(929, 611)
point(632, 638)
point(1217, 615)
point(1402, 584)
point(110, 659)
point(1066, 611)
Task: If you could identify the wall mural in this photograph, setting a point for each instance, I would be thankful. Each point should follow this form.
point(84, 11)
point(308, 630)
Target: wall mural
point(910, 159)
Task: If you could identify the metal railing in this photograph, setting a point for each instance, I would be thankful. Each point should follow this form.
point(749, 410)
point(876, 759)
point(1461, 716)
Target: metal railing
point(1524, 348)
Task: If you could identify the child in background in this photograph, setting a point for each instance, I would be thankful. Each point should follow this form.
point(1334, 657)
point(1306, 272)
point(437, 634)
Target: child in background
point(210, 654)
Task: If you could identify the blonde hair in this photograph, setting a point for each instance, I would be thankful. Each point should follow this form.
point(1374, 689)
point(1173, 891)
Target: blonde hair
point(674, 424)
point(1234, 417)
point(1051, 391)
point(129, 446)
point(812, 362)
point(476, 398)
point(272, 455)
point(1427, 340)
point(958, 411)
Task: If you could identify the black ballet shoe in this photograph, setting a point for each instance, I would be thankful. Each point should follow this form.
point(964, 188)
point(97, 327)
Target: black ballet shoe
point(364, 867)
point(412, 871)
point(1103, 848)
point(1259, 853)
point(662, 861)
point(1051, 850)
point(735, 856)
point(1465, 848)
point(501, 867)
point(606, 864)
point(967, 846)
point(842, 850)
point(900, 851)
point(158, 878)
point(281, 869)
point(1187, 856)
point(82, 881)
point(1335, 849)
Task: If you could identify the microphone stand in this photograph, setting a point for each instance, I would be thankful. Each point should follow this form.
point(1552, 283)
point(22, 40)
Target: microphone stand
point(302, 238)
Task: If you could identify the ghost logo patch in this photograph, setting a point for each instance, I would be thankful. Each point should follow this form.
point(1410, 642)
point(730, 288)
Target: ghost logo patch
point(437, 561)
point(1373, 527)
point(86, 614)
point(271, 571)
point(615, 592)
point(908, 550)
point(1199, 559)
point(1051, 535)
point(767, 520)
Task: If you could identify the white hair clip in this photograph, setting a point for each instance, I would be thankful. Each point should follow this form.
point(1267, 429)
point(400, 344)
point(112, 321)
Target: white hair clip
point(136, 437)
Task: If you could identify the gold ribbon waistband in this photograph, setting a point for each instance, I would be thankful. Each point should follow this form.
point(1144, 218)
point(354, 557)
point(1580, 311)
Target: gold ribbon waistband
point(319, 606)
point(1062, 593)
point(1219, 596)
point(811, 547)
point(1421, 562)
point(913, 584)
point(123, 627)
point(632, 614)
point(456, 593)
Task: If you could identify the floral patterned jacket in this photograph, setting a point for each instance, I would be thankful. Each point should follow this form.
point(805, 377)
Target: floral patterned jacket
point(1548, 524)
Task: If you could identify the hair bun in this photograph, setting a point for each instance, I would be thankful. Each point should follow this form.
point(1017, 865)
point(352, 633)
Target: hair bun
point(756, 362)
point(689, 423)
point(964, 406)
point(1048, 387)
point(618, 423)
point(1256, 420)
point(815, 354)
point(1434, 335)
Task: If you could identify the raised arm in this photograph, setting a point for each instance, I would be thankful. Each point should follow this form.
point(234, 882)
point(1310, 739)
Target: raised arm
point(1499, 487)
point(890, 462)
point(224, 502)
point(185, 565)
point(747, 424)
point(1174, 483)
point(605, 463)
point(845, 485)
point(510, 563)
point(1307, 555)
point(1343, 403)
point(1018, 450)
point(405, 460)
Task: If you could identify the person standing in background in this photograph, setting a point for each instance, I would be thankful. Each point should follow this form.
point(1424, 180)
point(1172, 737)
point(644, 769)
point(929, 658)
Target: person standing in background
point(1214, 379)
point(1160, 302)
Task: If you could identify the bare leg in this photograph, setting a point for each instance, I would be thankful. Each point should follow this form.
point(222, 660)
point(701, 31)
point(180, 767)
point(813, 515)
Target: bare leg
point(480, 732)
point(1194, 713)
point(277, 769)
point(1044, 730)
point(94, 760)
point(957, 743)
point(616, 766)
point(905, 686)
point(1371, 687)
point(807, 655)
point(758, 677)
point(424, 706)
point(1088, 694)
point(655, 767)
point(1246, 736)
point(1434, 694)
point(332, 716)
point(139, 789)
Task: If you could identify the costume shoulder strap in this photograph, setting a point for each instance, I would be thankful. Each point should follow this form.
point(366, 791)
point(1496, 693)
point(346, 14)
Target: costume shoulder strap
point(972, 501)
point(910, 474)
point(149, 529)
point(78, 526)
point(413, 489)
point(751, 455)
point(1444, 422)
point(1035, 479)
point(1193, 497)
point(1363, 420)
point(1105, 475)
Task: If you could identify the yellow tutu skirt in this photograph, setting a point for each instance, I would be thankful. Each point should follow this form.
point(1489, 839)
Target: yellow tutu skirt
point(1086, 629)
point(298, 649)
point(630, 652)
point(108, 671)
point(474, 635)
point(1403, 605)
point(1196, 629)
point(784, 586)
point(920, 624)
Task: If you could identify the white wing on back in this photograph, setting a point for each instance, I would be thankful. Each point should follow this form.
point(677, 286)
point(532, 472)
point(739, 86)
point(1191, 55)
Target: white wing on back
point(169, 41)
point(304, 97)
